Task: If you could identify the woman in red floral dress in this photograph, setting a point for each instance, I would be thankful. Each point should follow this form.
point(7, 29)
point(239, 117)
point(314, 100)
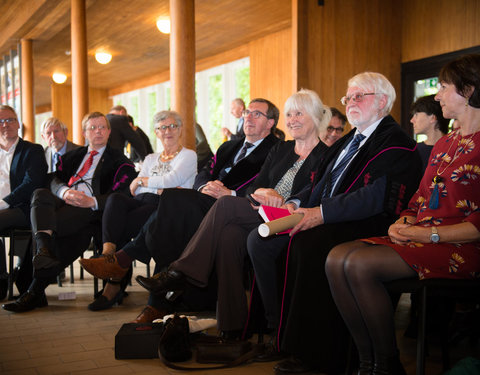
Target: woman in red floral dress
point(438, 236)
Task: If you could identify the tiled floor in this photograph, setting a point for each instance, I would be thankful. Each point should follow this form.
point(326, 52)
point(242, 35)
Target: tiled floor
point(66, 338)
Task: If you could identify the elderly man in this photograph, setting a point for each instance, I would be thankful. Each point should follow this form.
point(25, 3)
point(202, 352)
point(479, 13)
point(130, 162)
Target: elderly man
point(366, 180)
point(230, 172)
point(63, 216)
point(122, 132)
point(236, 109)
point(22, 170)
point(54, 133)
point(335, 128)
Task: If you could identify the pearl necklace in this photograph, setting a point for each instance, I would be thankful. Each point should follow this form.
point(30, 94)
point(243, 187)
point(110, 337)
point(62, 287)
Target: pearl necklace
point(165, 157)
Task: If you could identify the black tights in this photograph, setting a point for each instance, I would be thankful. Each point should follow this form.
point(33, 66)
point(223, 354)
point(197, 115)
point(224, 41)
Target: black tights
point(356, 272)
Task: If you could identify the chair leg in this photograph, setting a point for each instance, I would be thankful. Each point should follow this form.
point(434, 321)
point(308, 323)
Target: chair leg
point(10, 266)
point(421, 338)
point(148, 269)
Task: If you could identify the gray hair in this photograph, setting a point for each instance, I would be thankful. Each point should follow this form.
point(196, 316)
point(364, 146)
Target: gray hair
point(52, 121)
point(378, 83)
point(310, 102)
point(162, 115)
point(5, 107)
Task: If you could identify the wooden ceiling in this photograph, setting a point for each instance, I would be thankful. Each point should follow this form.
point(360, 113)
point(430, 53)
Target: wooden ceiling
point(127, 29)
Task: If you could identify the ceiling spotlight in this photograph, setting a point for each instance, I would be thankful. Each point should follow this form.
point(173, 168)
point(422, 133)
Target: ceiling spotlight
point(103, 57)
point(59, 78)
point(164, 26)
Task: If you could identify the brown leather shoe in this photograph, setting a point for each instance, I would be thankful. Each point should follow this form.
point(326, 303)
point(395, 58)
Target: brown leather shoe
point(149, 314)
point(104, 268)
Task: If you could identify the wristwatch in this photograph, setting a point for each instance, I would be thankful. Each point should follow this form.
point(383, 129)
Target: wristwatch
point(434, 237)
point(140, 182)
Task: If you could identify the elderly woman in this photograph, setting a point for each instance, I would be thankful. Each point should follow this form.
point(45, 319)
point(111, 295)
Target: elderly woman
point(427, 119)
point(175, 166)
point(436, 237)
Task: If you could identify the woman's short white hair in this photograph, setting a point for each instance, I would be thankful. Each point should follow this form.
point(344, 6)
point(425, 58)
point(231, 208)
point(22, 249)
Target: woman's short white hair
point(377, 83)
point(308, 101)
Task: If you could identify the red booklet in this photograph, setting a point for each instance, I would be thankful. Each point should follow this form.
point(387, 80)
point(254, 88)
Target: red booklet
point(280, 220)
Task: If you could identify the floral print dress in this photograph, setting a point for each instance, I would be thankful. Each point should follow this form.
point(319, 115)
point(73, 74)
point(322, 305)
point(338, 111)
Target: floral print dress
point(456, 160)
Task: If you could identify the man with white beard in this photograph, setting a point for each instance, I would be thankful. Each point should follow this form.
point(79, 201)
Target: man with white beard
point(366, 180)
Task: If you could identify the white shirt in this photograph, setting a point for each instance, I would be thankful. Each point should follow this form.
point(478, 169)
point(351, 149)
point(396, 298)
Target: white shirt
point(177, 172)
point(6, 158)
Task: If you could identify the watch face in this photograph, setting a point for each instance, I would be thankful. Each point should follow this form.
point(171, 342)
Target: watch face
point(435, 237)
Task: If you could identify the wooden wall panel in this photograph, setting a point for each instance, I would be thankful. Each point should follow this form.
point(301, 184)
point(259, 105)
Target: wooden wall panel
point(433, 27)
point(346, 37)
point(270, 69)
point(62, 103)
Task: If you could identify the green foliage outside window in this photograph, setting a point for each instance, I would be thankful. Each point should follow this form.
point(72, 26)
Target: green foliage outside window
point(242, 83)
point(215, 109)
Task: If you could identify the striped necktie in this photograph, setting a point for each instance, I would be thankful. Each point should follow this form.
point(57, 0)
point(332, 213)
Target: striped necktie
point(82, 172)
point(338, 170)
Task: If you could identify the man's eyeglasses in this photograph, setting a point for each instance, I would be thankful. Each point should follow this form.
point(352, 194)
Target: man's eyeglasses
point(93, 128)
point(357, 98)
point(7, 121)
point(332, 129)
point(164, 128)
point(255, 114)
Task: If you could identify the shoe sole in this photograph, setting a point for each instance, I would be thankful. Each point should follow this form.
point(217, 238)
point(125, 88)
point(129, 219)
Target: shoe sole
point(40, 262)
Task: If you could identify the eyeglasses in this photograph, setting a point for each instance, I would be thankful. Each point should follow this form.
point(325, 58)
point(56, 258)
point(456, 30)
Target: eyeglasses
point(357, 98)
point(332, 129)
point(7, 121)
point(92, 128)
point(163, 128)
point(255, 114)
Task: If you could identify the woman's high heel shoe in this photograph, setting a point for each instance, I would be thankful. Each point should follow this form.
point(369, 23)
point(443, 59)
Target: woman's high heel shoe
point(102, 303)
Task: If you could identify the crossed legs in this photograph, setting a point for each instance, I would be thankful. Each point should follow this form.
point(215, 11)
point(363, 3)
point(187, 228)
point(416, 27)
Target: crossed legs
point(356, 272)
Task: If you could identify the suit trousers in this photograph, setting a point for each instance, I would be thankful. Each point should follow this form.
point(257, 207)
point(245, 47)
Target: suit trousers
point(124, 216)
point(9, 218)
point(220, 243)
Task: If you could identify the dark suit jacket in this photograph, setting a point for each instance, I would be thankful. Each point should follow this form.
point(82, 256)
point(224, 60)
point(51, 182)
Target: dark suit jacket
point(243, 173)
point(114, 172)
point(122, 132)
point(28, 172)
point(379, 181)
point(281, 158)
point(134, 155)
point(240, 133)
point(48, 153)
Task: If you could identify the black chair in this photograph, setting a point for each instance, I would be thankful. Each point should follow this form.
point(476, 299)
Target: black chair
point(14, 234)
point(447, 288)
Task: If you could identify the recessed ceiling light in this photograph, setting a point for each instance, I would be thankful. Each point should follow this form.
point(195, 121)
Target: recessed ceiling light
point(59, 78)
point(164, 26)
point(103, 57)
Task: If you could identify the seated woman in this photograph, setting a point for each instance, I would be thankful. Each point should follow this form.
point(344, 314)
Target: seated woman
point(427, 119)
point(124, 216)
point(436, 237)
point(220, 241)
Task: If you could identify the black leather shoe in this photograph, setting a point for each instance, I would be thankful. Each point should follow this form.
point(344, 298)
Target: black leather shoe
point(163, 282)
point(292, 365)
point(43, 259)
point(270, 352)
point(102, 303)
point(26, 302)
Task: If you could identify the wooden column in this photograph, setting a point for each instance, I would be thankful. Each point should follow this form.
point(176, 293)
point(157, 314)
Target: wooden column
point(28, 111)
point(79, 69)
point(182, 65)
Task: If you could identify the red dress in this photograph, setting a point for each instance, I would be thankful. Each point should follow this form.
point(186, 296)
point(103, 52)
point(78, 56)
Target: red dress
point(459, 201)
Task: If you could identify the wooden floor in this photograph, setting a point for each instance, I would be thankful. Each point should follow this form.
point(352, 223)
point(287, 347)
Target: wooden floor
point(66, 338)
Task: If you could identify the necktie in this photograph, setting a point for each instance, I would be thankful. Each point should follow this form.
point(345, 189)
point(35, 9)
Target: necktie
point(86, 166)
point(243, 151)
point(56, 157)
point(338, 170)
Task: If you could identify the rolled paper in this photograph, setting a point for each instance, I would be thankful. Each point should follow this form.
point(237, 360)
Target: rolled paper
point(279, 225)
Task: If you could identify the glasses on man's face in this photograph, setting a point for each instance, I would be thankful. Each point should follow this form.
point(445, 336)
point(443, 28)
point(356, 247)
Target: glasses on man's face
point(357, 98)
point(93, 128)
point(255, 114)
point(7, 121)
point(163, 128)
point(332, 129)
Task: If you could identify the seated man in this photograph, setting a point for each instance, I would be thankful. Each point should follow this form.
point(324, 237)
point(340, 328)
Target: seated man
point(23, 169)
point(164, 236)
point(334, 130)
point(365, 182)
point(54, 133)
point(63, 216)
